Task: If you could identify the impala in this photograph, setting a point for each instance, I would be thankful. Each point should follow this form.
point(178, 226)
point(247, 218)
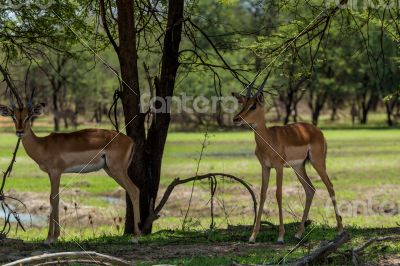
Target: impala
point(82, 151)
point(284, 146)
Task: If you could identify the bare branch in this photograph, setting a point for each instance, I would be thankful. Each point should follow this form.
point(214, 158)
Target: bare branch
point(155, 214)
point(105, 25)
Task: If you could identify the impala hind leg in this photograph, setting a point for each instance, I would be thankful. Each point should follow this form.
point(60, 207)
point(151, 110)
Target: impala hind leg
point(321, 170)
point(309, 189)
point(122, 178)
point(264, 186)
point(134, 194)
point(279, 181)
point(54, 221)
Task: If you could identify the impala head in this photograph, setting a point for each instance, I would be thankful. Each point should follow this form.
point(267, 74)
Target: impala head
point(22, 115)
point(252, 106)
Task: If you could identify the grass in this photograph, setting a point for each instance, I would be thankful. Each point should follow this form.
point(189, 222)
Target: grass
point(362, 163)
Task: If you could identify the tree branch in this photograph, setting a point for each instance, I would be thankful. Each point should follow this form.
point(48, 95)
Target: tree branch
point(155, 214)
point(105, 25)
point(11, 85)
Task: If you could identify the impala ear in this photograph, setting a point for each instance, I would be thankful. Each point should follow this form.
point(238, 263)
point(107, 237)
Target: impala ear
point(260, 98)
point(238, 96)
point(5, 110)
point(37, 110)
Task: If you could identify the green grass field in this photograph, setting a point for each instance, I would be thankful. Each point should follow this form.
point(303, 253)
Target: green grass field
point(363, 165)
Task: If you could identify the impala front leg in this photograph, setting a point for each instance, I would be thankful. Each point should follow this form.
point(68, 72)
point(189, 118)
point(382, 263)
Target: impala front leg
point(263, 194)
point(54, 223)
point(279, 181)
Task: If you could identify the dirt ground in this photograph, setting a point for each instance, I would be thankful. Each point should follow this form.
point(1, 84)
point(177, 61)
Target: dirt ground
point(136, 253)
point(12, 250)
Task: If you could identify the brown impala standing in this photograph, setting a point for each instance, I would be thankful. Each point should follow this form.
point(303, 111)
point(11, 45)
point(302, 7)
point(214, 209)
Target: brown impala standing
point(82, 151)
point(284, 146)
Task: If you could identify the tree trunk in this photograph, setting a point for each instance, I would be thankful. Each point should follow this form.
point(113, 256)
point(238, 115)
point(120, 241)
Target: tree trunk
point(145, 168)
point(55, 107)
point(315, 116)
point(295, 112)
point(364, 117)
point(389, 110)
point(334, 113)
point(366, 106)
point(287, 114)
point(277, 111)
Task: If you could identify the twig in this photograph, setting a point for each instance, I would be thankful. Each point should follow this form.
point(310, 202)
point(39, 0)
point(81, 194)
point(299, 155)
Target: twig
point(9, 169)
point(7, 225)
point(203, 146)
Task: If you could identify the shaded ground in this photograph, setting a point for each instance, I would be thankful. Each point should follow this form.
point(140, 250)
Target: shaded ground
point(219, 247)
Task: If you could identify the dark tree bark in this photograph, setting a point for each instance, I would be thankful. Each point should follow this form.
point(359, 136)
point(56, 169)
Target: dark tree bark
point(55, 108)
point(334, 114)
point(367, 98)
point(292, 95)
point(366, 106)
point(56, 81)
point(146, 165)
point(316, 103)
point(319, 95)
point(390, 106)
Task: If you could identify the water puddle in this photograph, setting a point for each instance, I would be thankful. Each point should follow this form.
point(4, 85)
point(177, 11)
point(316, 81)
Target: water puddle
point(26, 219)
point(112, 200)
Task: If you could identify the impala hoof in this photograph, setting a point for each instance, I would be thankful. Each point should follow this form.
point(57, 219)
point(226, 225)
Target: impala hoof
point(135, 240)
point(252, 240)
point(298, 236)
point(280, 241)
point(49, 241)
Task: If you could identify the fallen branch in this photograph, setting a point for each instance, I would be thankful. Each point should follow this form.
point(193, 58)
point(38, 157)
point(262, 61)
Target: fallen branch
point(324, 250)
point(87, 257)
point(177, 181)
point(356, 251)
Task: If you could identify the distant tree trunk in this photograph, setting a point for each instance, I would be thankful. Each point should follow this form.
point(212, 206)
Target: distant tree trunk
point(389, 116)
point(56, 109)
point(316, 103)
point(390, 104)
point(295, 112)
point(288, 112)
point(364, 116)
point(277, 110)
point(367, 98)
point(220, 115)
point(56, 83)
point(65, 122)
point(366, 105)
point(146, 165)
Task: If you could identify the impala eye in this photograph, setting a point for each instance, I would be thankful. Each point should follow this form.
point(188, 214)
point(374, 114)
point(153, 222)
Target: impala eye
point(253, 107)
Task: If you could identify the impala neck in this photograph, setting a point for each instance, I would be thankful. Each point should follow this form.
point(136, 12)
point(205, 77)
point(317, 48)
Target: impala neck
point(260, 130)
point(31, 143)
